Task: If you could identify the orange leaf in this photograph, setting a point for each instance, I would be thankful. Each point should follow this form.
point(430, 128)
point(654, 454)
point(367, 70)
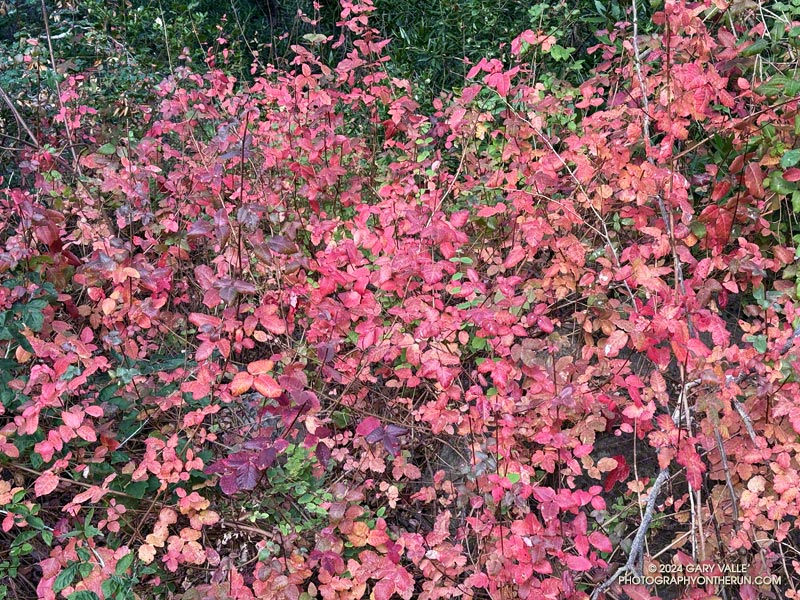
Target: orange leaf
point(242, 382)
point(260, 367)
point(267, 386)
point(147, 553)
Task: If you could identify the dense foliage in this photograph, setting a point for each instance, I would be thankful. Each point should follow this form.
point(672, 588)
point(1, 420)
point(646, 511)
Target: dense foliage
point(293, 336)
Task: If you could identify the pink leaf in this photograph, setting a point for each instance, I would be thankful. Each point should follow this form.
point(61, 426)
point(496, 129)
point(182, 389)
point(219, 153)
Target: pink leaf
point(599, 541)
point(578, 563)
point(615, 342)
point(46, 483)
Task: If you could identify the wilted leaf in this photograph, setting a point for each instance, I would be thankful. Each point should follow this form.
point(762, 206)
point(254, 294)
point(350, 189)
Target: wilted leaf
point(281, 244)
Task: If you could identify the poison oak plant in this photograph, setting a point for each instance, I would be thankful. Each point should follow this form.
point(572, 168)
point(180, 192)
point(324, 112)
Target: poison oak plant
point(231, 345)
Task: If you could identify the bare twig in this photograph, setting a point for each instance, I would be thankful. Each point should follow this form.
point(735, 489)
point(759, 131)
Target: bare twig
point(748, 423)
point(20, 121)
point(728, 482)
point(637, 547)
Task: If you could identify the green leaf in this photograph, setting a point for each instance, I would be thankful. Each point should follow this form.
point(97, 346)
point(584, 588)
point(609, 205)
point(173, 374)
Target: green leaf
point(560, 53)
point(477, 343)
point(756, 47)
point(65, 578)
point(770, 88)
point(796, 202)
point(107, 149)
point(137, 489)
point(85, 569)
point(109, 587)
point(698, 229)
point(34, 319)
point(790, 158)
point(780, 186)
point(108, 392)
point(83, 595)
point(35, 522)
point(340, 419)
point(513, 477)
point(314, 38)
point(124, 564)
point(24, 537)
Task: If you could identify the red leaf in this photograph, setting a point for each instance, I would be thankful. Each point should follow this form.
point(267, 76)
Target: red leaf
point(619, 473)
point(367, 426)
point(490, 211)
point(205, 276)
point(637, 592)
point(516, 256)
point(273, 324)
point(753, 178)
point(199, 229)
point(398, 581)
point(792, 174)
point(500, 82)
point(689, 458)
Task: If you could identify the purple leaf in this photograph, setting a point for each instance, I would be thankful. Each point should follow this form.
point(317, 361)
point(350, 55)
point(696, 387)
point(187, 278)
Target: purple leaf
point(332, 563)
point(228, 484)
point(376, 435)
point(258, 443)
point(326, 351)
point(265, 458)
point(247, 217)
point(392, 445)
point(216, 468)
point(395, 430)
point(247, 476)
point(323, 454)
point(199, 229)
point(244, 287)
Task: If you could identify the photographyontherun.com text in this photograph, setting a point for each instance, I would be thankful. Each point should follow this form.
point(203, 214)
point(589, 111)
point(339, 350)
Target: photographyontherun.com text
point(697, 575)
